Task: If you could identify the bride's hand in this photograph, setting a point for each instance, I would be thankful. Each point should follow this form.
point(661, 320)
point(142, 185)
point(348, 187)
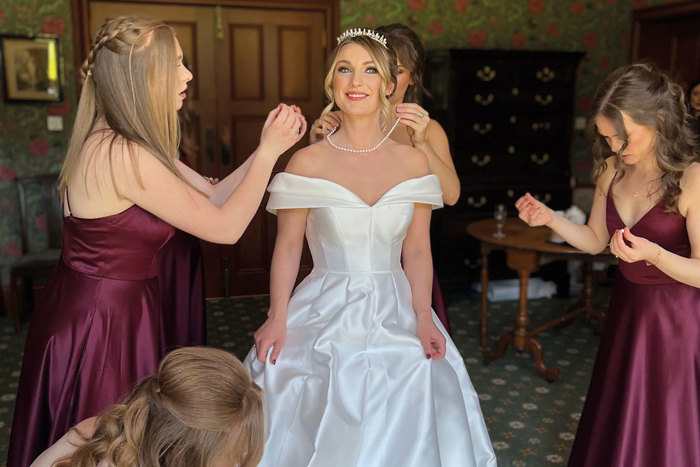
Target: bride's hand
point(431, 338)
point(272, 333)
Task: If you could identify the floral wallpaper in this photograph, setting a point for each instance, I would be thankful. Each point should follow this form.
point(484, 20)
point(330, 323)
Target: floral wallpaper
point(601, 28)
point(26, 145)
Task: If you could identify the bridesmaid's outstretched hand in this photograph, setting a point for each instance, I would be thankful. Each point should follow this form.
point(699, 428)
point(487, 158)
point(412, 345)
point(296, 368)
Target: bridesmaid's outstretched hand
point(431, 338)
point(284, 127)
point(533, 212)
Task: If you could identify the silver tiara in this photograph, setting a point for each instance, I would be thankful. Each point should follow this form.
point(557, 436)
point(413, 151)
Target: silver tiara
point(363, 32)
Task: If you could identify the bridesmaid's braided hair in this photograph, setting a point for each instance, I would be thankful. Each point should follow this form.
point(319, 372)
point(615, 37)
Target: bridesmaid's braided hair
point(130, 81)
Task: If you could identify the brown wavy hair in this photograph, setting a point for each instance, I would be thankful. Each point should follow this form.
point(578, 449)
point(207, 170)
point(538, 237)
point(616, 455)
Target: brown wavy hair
point(129, 79)
point(200, 409)
point(410, 51)
point(383, 59)
point(650, 98)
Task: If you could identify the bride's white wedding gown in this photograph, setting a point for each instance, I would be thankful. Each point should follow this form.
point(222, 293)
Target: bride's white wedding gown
point(352, 386)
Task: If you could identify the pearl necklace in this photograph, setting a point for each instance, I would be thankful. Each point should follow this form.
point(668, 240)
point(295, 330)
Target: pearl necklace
point(328, 138)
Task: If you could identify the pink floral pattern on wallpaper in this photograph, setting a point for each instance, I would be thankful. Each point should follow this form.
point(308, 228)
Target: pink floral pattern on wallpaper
point(461, 6)
point(53, 25)
point(32, 149)
point(600, 28)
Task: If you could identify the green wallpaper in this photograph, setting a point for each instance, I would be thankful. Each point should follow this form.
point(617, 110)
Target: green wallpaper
point(26, 146)
point(598, 27)
point(601, 28)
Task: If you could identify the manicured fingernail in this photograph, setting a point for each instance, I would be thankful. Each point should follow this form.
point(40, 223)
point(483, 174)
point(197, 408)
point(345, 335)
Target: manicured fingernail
point(428, 356)
point(274, 361)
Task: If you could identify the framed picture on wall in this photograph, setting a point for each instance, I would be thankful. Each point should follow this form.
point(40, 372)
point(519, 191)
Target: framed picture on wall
point(31, 70)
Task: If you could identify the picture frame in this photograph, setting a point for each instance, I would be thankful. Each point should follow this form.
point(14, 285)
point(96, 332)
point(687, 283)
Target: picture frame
point(31, 68)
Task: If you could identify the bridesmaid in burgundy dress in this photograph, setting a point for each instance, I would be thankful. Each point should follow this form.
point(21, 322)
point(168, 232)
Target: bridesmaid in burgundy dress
point(96, 330)
point(183, 319)
point(643, 405)
point(415, 129)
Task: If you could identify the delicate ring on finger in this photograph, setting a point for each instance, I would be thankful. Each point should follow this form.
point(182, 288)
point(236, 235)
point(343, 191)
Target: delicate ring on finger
point(421, 115)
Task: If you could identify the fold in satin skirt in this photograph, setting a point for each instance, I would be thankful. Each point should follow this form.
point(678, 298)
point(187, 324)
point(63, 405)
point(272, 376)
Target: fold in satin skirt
point(90, 340)
point(643, 405)
point(352, 385)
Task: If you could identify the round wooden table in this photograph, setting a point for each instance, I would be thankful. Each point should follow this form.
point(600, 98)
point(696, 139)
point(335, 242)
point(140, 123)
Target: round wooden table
point(524, 246)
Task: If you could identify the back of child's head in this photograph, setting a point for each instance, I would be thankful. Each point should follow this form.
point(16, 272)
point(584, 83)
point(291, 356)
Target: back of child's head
point(200, 409)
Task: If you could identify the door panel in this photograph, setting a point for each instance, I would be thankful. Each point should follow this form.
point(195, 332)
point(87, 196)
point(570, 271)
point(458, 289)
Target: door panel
point(245, 61)
point(274, 56)
point(679, 51)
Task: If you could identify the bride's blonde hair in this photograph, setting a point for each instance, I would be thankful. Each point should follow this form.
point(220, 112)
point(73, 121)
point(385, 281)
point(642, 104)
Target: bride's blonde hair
point(385, 62)
point(130, 79)
point(200, 409)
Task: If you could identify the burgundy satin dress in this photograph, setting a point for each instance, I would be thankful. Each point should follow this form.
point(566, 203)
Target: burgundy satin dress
point(95, 331)
point(181, 283)
point(643, 405)
point(439, 305)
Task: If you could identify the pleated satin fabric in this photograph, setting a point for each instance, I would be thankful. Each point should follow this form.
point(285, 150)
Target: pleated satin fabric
point(352, 386)
point(643, 405)
point(181, 281)
point(95, 331)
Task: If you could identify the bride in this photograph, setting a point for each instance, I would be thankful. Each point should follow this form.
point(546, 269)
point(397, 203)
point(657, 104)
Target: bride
point(355, 366)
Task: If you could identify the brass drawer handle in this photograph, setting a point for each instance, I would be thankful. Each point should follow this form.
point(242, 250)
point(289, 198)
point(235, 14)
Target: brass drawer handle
point(539, 160)
point(546, 199)
point(481, 162)
point(541, 126)
point(544, 100)
point(545, 75)
point(484, 100)
point(476, 204)
point(482, 131)
point(486, 74)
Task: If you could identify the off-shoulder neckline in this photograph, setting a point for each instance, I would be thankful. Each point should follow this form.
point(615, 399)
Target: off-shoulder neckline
point(348, 190)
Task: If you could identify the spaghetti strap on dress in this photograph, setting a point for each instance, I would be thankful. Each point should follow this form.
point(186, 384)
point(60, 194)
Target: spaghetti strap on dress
point(95, 330)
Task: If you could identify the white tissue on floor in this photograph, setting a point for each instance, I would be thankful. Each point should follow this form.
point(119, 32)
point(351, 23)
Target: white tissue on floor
point(509, 289)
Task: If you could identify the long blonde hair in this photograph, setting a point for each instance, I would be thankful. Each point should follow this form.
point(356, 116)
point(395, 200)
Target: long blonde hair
point(130, 79)
point(383, 59)
point(201, 408)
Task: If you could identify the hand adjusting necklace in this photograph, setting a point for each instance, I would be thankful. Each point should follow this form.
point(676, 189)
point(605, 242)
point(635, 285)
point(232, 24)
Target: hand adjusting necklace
point(328, 138)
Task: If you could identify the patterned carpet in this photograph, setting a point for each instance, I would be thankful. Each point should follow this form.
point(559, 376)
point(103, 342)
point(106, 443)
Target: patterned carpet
point(531, 422)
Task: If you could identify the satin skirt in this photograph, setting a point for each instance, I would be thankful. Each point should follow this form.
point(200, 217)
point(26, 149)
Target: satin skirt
point(352, 386)
point(90, 339)
point(643, 405)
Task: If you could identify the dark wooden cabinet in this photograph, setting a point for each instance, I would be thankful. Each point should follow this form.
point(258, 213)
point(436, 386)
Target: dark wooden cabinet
point(509, 117)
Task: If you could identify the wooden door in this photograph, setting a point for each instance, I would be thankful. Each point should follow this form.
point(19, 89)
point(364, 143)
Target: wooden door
point(669, 35)
point(271, 57)
point(245, 61)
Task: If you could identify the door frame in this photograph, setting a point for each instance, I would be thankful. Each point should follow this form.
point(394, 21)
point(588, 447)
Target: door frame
point(656, 14)
point(330, 8)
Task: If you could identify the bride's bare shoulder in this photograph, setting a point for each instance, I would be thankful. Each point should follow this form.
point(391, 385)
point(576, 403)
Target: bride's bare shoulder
point(307, 161)
point(412, 159)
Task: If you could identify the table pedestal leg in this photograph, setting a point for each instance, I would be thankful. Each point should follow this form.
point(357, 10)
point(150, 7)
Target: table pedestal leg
point(525, 262)
point(485, 250)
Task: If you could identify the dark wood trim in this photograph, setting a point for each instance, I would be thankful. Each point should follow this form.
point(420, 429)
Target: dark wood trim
point(330, 8)
point(659, 12)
